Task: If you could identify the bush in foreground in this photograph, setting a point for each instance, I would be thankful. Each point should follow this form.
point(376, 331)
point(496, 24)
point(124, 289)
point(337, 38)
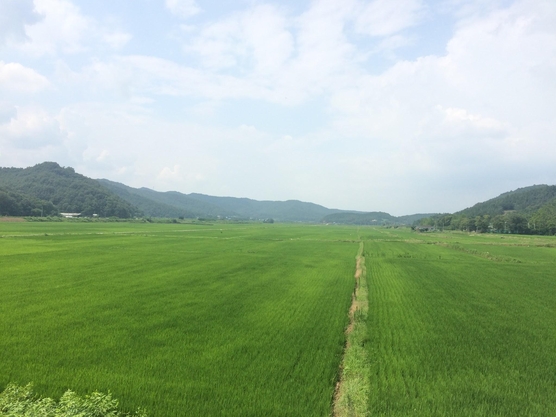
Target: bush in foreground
point(16, 401)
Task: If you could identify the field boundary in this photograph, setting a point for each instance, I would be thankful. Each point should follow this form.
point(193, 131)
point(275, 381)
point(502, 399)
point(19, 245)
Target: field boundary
point(352, 390)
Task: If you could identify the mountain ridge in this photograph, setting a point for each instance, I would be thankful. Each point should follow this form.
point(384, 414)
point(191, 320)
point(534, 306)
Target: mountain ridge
point(48, 189)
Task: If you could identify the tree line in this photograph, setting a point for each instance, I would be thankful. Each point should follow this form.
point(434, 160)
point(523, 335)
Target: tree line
point(540, 222)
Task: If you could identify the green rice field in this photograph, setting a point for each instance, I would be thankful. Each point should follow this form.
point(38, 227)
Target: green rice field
point(249, 319)
point(182, 320)
point(461, 325)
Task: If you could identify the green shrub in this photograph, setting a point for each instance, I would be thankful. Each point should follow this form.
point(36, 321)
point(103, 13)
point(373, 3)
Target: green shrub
point(18, 401)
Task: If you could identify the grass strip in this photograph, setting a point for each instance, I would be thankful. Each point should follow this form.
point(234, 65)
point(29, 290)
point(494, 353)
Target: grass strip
point(352, 391)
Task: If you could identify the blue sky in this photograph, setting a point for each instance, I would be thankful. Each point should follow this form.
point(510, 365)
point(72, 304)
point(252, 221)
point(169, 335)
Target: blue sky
point(402, 106)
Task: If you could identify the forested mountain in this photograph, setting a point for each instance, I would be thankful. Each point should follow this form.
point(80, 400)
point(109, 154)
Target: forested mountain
point(165, 204)
point(175, 204)
point(372, 218)
point(290, 210)
point(51, 189)
point(524, 200)
point(528, 210)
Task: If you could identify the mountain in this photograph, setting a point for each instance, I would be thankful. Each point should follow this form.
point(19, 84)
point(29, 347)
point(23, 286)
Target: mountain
point(528, 210)
point(372, 218)
point(162, 204)
point(175, 204)
point(524, 200)
point(48, 189)
point(290, 210)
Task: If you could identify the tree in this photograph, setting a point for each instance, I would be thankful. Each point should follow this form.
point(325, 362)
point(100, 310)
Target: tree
point(498, 223)
point(544, 220)
point(517, 223)
point(482, 223)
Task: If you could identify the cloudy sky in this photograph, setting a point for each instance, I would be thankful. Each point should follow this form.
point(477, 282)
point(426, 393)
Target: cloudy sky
point(401, 106)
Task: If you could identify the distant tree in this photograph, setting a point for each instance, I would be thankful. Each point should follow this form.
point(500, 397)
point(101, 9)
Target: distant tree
point(544, 220)
point(498, 223)
point(517, 223)
point(482, 223)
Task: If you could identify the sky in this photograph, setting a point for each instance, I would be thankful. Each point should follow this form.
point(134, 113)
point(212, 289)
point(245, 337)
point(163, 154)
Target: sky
point(402, 106)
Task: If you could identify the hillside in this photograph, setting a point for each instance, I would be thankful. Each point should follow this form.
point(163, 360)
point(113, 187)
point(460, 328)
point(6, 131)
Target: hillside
point(160, 204)
point(290, 210)
point(524, 200)
point(13, 203)
point(175, 204)
point(372, 218)
point(50, 188)
point(528, 210)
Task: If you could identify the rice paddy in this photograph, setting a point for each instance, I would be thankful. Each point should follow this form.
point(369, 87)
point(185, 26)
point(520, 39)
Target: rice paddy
point(461, 325)
point(250, 319)
point(177, 319)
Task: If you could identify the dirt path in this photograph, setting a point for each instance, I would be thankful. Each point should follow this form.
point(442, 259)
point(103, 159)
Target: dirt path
point(351, 393)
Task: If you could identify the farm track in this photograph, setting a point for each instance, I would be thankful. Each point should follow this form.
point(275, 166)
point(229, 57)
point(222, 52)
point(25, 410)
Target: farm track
point(351, 393)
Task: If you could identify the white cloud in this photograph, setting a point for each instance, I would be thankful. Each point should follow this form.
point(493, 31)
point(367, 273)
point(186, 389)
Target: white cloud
point(459, 117)
point(116, 40)
point(7, 112)
point(31, 128)
point(16, 77)
point(255, 40)
point(387, 17)
point(183, 8)
point(65, 30)
point(14, 15)
point(171, 174)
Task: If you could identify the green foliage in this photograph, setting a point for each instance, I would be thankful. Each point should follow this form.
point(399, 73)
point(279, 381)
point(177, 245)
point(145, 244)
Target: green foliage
point(49, 188)
point(13, 203)
point(529, 210)
point(20, 401)
point(526, 200)
point(543, 222)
